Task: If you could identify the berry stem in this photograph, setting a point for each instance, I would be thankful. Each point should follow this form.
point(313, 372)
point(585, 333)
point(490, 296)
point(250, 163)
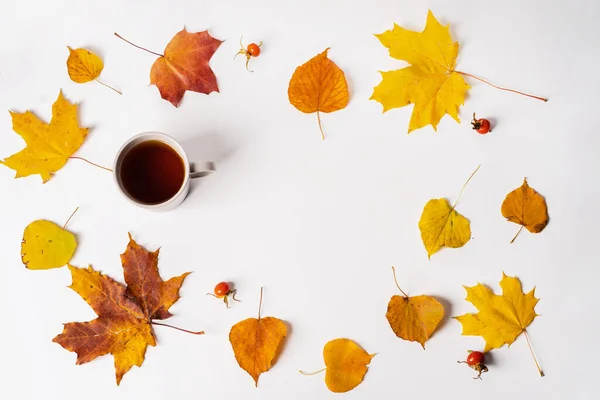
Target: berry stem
point(311, 373)
point(89, 162)
point(139, 47)
point(465, 185)
point(108, 86)
point(260, 303)
point(395, 280)
point(519, 231)
point(320, 126)
point(501, 88)
point(179, 329)
point(533, 355)
point(73, 213)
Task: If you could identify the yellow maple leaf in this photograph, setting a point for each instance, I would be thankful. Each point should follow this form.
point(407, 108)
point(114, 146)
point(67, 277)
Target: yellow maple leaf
point(501, 319)
point(49, 146)
point(46, 245)
point(414, 318)
point(256, 342)
point(318, 85)
point(345, 365)
point(442, 226)
point(526, 207)
point(430, 82)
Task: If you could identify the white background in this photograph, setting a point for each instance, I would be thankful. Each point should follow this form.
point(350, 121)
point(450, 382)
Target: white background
point(317, 223)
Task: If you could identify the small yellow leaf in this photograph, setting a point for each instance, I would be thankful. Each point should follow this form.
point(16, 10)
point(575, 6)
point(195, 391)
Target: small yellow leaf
point(319, 85)
point(83, 65)
point(526, 207)
point(346, 364)
point(441, 226)
point(414, 318)
point(46, 245)
point(430, 82)
point(501, 319)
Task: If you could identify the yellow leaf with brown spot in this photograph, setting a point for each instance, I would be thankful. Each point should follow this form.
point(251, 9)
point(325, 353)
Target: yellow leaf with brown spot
point(83, 65)
point(430, 81)
point(46, 245)
point(319, 85)
point(125, 313)
point(49, 146)
point(501, 318)
point(256, 343)
point(526, 207)
point(414, 318)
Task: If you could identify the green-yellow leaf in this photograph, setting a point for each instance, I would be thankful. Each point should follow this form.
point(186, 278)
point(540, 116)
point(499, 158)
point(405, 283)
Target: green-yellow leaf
point(46, 245)
point(441, 226)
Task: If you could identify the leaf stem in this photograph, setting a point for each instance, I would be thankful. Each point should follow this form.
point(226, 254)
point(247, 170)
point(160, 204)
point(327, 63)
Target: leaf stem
point(501, 88)
point(320, 126)
point(260, 302)
point(108, 86)
point(311, 373)
point(395, 280)
point(179, 329)
point(89, 162)
point(73, 213)
point(533, 355)
point(465, 185)
point(520, 229)
point(135, 45)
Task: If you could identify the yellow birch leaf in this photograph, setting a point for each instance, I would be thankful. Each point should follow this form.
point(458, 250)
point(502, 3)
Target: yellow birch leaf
point(256, 343)
point(442, 226)
point(46, 245)
point(414, 318)
point(345, 365)
point(83, 65)
point(430, 82)
point(319, 85)
point(526, 207)
point(49, 146)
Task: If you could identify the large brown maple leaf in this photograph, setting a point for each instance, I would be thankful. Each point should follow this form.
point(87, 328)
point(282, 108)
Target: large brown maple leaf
point(125, 313)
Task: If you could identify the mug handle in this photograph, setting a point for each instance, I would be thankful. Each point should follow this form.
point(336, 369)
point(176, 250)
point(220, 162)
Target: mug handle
point(200, 169)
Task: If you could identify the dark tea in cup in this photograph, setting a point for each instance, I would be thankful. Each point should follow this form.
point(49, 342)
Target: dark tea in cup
point(152, 172)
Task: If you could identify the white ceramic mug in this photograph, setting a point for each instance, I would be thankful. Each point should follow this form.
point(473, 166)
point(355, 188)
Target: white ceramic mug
point(191, 170)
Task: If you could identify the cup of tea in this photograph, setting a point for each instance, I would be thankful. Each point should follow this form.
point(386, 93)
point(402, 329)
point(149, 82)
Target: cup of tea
point(152, 171)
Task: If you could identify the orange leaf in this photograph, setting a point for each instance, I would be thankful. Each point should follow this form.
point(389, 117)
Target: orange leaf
point(125, 314)
point(319, 86)
point(414, 318)
point(256, 342)
point(185, 66)
point(526, 207)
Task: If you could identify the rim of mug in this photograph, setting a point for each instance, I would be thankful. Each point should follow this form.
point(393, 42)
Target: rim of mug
point(169, 140)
